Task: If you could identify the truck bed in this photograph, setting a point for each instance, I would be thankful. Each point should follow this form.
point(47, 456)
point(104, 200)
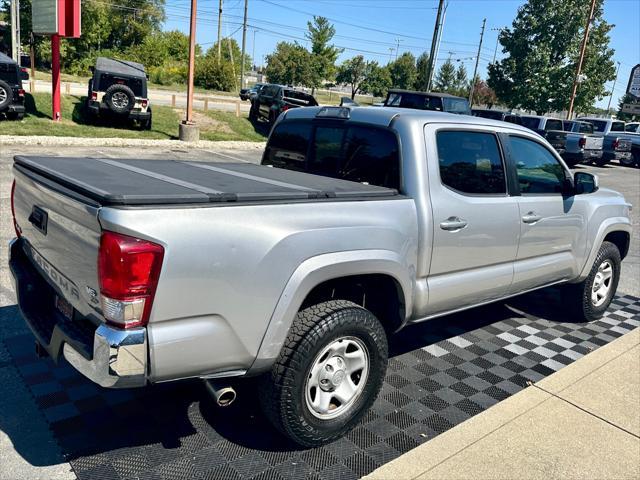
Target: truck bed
point(111, 182)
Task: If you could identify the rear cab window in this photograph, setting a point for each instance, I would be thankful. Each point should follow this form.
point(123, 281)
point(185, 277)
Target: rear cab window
point(359, 153)
point(532, 123)
point(470, 162)
point(553, 124)
point(617, 126)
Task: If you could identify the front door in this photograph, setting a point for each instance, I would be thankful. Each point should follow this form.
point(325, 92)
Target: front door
point(550, 222)
point(476, 221)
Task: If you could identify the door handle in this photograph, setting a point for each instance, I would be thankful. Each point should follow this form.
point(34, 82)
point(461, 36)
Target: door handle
point(531, 217)
point(453, 224)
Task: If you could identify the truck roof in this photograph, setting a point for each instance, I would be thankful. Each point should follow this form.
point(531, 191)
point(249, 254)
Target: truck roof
point(121, 67)
point(383, 116)
point(160, 182)
point(430, 94)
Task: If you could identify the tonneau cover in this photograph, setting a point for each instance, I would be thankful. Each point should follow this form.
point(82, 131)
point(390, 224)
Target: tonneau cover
point(154, 182)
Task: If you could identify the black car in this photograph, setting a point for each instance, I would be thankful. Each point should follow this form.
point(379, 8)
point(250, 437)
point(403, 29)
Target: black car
point(272, 100)
point(248, 93)
point(441, 102)
point(118, 89)
point(11, 92)
point(501, 115)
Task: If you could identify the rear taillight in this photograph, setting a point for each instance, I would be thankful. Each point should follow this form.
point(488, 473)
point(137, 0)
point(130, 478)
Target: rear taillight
point(128, 272)
point(616, 143)
point(94, 96)
point(144, 103)
point(285, 108)
point(582, 142)
point(13, 210)
point(21, 92)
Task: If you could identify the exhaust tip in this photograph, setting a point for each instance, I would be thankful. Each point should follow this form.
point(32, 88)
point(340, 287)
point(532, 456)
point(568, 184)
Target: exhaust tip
point(223, 396)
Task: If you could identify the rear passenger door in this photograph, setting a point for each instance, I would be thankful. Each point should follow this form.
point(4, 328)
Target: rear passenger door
point(476, 221)
point(550, 220)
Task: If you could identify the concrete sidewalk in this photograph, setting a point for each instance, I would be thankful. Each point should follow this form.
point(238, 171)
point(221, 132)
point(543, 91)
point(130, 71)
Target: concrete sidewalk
point(583, 422)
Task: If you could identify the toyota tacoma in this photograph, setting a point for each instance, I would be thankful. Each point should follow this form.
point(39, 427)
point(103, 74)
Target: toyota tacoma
point(359, 222)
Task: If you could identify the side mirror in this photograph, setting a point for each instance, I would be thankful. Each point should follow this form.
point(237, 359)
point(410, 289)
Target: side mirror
point(585, 182)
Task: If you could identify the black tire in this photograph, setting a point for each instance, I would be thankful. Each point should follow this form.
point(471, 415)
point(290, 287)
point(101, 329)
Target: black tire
point(284, 390)
point(253, 114)
point(6, 94)
point(601, 162)
point(579, 295)
point(636, 158)
point(119, 98)
point(630, 161)
point(15, 116)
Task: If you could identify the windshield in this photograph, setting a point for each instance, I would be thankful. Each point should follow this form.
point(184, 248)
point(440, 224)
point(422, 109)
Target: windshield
point(456, 105)
point(598, 125)
point(530, 122)
point(359, 153)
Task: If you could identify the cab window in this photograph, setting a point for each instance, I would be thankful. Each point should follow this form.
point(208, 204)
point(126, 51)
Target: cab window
point(538, 170)
point(470, 162)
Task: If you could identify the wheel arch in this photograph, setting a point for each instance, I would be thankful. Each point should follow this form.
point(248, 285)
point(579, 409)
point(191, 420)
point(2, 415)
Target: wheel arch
point(375, 270)
point(616, 230)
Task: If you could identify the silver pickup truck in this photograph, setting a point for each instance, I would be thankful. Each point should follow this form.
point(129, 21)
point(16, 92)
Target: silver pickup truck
point(617, 145)
point(360, 221)
point(576, 143)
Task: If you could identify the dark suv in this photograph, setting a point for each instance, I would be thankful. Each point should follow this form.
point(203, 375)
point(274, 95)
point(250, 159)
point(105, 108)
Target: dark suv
point(11, 92)
point(440, 102)
point(272, 100)
point(118, 88)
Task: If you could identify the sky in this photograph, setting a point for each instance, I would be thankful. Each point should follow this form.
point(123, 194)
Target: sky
point(377, 29)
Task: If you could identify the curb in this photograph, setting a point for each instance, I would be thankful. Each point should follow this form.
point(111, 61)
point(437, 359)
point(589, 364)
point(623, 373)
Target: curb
point(125, 142)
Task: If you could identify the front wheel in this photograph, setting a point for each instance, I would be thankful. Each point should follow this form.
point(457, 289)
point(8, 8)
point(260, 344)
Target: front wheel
point(590, 298)
point(328, 374)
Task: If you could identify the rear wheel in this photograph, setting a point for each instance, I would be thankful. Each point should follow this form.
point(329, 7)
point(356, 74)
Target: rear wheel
point(328, 374)
point(6, 94)
point(630, 160)
point(15, 115)
point(590, 298)
point(601, 162)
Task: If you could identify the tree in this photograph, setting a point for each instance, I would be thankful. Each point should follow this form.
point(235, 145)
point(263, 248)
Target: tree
point(403, 71)
point(211, 74)
point(446, 77)
point(323, 54)
point(461, 84)
point(289, 64)
point(483, 94)
point(422, 67)
point(230, 51)
point(542, 49)
point(353, 72)
point(377, 81)
point(623, 115)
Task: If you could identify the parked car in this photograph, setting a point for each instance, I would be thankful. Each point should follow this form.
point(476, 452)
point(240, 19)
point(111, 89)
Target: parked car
point(118, 90)
point(11, 91)
point(541, 124)
point(248, 93)
point(440, 102)
point(617, 144)
point(576, 143)
point(369, 220)
point(272, 100)
point(633, 127)
point(502, 115)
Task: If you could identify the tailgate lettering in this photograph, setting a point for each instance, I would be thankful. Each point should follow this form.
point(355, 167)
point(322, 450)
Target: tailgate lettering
point(54, 275)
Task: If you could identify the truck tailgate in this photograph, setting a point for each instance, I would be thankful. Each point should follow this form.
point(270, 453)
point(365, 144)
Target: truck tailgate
point(62, 236)
point(593, 143)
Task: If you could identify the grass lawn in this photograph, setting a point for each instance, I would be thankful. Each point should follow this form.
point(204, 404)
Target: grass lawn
point(213, 125)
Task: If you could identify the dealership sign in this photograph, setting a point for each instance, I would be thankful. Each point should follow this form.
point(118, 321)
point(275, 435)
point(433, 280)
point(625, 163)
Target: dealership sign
point(56, 17)
point(633, 87)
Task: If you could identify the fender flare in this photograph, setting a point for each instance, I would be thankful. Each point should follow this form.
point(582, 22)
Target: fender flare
point(319, 269)
point(613, 224)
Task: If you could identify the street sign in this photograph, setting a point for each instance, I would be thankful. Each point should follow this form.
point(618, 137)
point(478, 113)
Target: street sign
point(56, 17)
point(631, 108)
point(633, 87)
point(44, 17)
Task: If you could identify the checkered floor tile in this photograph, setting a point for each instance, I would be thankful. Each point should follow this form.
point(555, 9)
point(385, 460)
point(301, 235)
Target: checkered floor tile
point(440, 374)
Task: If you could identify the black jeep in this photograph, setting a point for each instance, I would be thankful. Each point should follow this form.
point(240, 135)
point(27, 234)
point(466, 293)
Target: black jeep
point(11, 92)
point(118, 89)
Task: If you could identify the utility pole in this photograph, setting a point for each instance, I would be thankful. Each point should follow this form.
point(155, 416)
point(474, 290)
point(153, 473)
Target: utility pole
point(583, 48)
point(434, 41)
point(244, 42)
point(219, 30)
point(253, 51)
point(495, 50)
point(390, 53)
point(14, 30)
point(18, 32)
point(475, 70)
point(397, 47)
point(192, 55)
point(612, 88)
